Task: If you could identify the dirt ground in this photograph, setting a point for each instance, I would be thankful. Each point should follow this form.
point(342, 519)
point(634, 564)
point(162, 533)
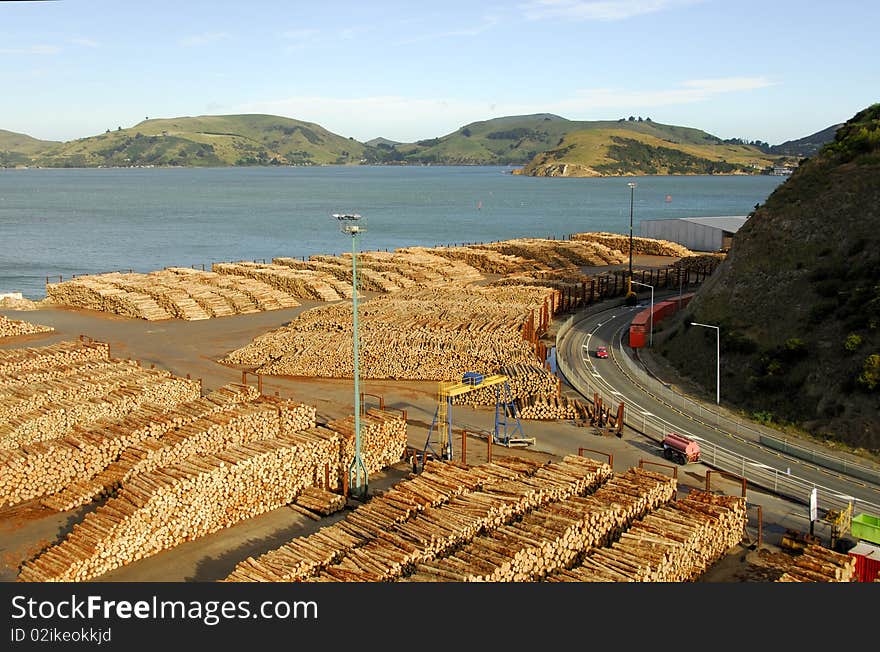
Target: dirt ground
point(193, 348)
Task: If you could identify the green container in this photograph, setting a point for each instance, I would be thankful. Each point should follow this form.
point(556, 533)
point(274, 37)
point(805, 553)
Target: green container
point(866, 527)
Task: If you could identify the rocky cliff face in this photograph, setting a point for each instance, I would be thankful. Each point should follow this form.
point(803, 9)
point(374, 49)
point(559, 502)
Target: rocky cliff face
point(798, 299)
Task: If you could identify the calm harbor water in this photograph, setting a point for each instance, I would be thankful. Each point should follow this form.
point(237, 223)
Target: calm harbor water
point(76, 221)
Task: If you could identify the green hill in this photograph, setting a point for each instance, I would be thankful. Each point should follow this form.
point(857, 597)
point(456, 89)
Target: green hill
point(517, 140)
point(808, 145)
point(208, 141)
point(646, 149)
point(798, 299)
point(19, 149)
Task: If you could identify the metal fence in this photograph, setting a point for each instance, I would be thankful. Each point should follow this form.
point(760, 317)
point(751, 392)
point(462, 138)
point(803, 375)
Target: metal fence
point(779, 481)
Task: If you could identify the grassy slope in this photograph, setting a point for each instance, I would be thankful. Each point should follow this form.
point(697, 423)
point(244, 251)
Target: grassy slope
point(590, 151)
point(209, 140)
point(18, 149)
point(516, 140)
point(798, 298)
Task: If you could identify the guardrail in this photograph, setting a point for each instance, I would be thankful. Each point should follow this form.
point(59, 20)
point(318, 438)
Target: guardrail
point(741, 427)
point(778, 481)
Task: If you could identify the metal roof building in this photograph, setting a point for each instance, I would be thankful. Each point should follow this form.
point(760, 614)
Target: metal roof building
point(695, 233)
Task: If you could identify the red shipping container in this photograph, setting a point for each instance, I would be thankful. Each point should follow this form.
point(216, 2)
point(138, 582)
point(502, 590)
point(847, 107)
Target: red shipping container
point(636, 337)
point(867, 561)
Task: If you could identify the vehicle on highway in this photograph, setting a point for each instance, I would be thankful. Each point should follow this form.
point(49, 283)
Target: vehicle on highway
point(601, 352)
point(680, 449)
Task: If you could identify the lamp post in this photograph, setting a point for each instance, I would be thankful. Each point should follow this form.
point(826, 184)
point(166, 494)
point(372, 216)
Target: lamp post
point(357, 471)
point(717, 359)
point(651, 315)
point(630, 295)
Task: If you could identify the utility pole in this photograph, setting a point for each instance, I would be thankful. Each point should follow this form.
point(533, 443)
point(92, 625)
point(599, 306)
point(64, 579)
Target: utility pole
point(630, 295)
point(357, 471)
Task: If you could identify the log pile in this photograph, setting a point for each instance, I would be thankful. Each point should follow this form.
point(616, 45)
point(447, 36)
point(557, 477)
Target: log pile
point(213, 432)
point(489, 261)
point(438, 483)
point(245, 295)
point(552, 408)
point(96, 293)
point(56, 418)
point(170, 293)
point(181, 502)
point(320, 501)
point(675, 543)
point(383, 442)
point(644, 246)
point(524, 381)
point(299, 283)
point(379, 541)
point(818, 564)
point(436, 530)
point(14, 362)
point(559, 254)
point(368, 278)
point(13, 327)
point(420, 334)
point(553, 536)
point(63, 469)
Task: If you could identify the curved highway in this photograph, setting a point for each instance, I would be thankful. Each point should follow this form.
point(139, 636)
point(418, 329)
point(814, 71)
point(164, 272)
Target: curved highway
point(577, 348)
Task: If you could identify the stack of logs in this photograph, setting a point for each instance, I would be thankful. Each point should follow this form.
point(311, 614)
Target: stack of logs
point(559, 254)
point(553, 536)
point(525, 381)
point(642, 246)
point(13, 362)
point(383, 442)
point(67, 466)
point(419, 334)
point(13, 327)
point(818, 564)
point(675, 543)
point(171, 293)
point(318, 502)
point(212, 432)
point(58, 417)
point(183, 483)
point(421, 517)
point(183, 501)
point(552, 408)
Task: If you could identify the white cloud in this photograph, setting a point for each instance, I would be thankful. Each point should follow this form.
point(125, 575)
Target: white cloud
point(409, 119)
point(85, 42)
point(487, 23)
point(34, 49)
point(601, 10)
point(203, 39)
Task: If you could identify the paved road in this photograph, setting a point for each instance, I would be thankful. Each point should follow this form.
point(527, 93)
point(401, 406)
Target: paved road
point(577, 347)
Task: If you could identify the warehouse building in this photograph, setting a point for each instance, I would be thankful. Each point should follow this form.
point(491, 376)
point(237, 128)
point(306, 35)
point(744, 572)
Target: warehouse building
point(695, 233)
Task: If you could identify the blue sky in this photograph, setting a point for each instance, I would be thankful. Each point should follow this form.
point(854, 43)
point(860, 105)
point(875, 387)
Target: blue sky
point(771, 70)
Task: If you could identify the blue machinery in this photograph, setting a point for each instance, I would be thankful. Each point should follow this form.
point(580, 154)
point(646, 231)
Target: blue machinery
point(508, 433)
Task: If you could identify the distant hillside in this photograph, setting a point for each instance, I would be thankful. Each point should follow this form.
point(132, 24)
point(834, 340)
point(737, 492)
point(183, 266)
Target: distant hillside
point(808, 145)
point(208, 141)
point(798, 299)
point(516, 140)
point(18, 149)
point(620, 151)
point(376, 142)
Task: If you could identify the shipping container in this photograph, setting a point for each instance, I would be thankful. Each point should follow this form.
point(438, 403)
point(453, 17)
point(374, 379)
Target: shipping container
point(866, 527)
point(867, 561)
point(636, 337)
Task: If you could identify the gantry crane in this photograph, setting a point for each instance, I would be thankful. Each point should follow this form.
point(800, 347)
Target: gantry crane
point(507, 432)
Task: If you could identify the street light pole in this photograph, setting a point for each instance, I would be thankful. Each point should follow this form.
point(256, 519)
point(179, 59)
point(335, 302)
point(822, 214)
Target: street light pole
point(717, 359)
point(651, 315)
point(357, 471)
point(630, 295)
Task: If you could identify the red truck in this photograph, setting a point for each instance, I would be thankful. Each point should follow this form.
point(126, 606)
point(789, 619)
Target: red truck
point(680, 449)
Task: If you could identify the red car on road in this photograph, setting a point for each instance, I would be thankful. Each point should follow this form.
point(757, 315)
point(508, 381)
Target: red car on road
point(601, 352)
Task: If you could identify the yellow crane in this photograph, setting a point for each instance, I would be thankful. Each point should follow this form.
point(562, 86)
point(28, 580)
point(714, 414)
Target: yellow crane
point(504, 408)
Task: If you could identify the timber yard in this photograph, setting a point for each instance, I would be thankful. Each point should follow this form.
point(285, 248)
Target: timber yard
point(200, 424)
